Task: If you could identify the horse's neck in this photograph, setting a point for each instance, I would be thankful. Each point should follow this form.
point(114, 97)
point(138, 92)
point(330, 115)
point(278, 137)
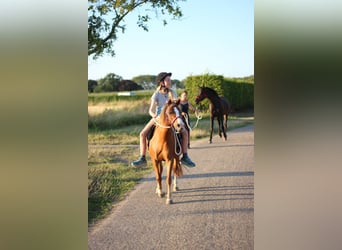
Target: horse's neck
point(214, 100)
point(162, 120)
point(163, 131)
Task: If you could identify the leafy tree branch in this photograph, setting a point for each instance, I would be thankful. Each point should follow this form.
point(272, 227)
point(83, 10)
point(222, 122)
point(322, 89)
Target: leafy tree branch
point(105, 20)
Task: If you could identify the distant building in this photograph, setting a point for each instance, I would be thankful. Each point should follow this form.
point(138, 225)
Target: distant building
point(126, 93)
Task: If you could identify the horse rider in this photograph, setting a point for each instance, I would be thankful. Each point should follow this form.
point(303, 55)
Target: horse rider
point(159, 98)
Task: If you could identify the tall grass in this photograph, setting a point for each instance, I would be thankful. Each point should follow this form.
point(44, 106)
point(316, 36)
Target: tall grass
point(113, 115)
point(112, 120)
point(109, 179)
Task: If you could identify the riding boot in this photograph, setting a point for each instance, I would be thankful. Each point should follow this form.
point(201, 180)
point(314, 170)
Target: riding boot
point(187, 161)
point(141, 162)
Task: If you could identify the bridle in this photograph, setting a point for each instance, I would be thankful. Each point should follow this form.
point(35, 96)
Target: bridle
point(171, 123)
point(200, 97)
point(177, 141)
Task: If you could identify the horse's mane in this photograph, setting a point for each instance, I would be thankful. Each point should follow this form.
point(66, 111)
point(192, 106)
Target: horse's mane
point(212, 91)
point(162, 113)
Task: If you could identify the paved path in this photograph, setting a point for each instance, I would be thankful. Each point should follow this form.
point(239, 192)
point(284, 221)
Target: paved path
point(213, 210)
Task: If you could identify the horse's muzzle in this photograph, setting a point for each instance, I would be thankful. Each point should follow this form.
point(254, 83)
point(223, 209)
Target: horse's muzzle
point(178, 124)
point(179, 127)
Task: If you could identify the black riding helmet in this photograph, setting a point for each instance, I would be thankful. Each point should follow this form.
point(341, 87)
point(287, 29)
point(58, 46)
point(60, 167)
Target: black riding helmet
point(161, 76)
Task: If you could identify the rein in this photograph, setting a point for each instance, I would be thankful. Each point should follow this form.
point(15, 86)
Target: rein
point(177, 142)
point(160, 125)
point(198, 116)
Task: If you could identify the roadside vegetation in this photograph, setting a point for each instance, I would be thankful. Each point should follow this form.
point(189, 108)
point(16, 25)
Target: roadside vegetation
point(113, 142)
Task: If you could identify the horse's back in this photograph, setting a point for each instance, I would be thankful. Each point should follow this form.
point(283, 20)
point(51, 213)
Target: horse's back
point(227, 107)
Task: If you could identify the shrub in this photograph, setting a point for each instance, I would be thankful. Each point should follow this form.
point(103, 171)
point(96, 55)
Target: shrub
point(239, 92)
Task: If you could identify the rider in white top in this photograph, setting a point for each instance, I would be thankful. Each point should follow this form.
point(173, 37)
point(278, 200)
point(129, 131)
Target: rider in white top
point(158, 100)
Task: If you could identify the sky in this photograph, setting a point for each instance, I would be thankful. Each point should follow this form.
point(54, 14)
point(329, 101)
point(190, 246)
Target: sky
point(215, 37)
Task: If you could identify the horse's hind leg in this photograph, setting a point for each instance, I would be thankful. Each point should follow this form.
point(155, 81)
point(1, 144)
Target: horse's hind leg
point(175, 186)
point(211, 129)
point(219, 121)
point(225, 121)
point(224, 131)
point(221, 127)
point(225, 125)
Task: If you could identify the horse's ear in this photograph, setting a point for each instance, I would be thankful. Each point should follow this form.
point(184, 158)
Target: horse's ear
point(169, 102)
point(178, 101)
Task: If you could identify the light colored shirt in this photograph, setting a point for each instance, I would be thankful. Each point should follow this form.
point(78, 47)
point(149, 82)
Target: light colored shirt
point(161, 99)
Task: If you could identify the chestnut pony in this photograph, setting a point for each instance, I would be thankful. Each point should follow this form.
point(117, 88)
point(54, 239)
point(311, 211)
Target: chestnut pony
point(165, 146)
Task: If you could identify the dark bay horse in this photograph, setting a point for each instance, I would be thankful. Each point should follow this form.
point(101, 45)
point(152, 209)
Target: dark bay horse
point(219, 107)
point(165, 146)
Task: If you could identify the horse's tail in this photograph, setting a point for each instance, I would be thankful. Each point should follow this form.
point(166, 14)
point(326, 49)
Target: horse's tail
point(177, 167)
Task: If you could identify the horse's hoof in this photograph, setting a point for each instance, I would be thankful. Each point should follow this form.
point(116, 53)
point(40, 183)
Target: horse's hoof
point(210, 142)
point(175, 189)
point(169, 201)
point(160, 194)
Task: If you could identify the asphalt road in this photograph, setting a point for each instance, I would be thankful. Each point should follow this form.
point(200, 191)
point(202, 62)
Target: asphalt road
point(214, 208)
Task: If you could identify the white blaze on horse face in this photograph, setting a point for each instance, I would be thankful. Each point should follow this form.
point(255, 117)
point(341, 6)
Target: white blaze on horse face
point(179, 120)
point(178, 124)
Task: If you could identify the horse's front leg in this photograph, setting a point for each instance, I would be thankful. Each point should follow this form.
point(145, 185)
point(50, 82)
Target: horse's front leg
point(158, 170)
point(168, 182)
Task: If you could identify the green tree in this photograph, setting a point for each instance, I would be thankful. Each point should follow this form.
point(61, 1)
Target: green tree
point(128, 85)
point(149, 81)
point(105, 20)
point(91, 85)
point(109, 83)
point(179, 84)
point(146, 81)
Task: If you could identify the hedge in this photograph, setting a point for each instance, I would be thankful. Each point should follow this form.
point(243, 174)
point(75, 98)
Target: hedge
point(240, 93)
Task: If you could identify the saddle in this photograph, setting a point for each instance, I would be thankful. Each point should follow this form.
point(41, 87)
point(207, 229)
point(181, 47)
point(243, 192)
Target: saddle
point(150, 134)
